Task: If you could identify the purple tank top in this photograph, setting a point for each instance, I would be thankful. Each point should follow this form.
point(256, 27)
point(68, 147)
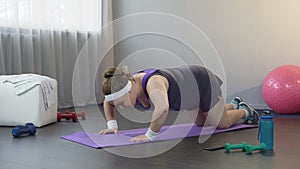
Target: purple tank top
point(148, 72)
point(190, 87)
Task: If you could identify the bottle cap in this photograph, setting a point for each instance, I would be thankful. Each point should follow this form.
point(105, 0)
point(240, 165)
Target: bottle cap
point(267, 117)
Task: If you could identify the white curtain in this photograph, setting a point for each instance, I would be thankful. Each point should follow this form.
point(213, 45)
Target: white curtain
point(46, 37)
point(84, 15)
point(96, 56)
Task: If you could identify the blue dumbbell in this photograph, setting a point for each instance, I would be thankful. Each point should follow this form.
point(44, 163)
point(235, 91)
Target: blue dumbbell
point(28, 129)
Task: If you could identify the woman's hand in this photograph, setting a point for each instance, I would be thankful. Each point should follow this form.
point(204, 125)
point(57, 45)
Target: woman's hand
point(140, 138)
point(109, 131)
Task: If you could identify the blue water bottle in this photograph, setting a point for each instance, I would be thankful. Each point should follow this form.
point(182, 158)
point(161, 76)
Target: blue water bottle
point(266, 130)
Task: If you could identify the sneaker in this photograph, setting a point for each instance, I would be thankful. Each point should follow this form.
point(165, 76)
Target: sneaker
point(253, 116)
point(236, 101)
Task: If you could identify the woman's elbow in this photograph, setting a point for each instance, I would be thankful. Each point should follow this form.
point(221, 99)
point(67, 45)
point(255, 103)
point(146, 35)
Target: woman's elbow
point(164, 108)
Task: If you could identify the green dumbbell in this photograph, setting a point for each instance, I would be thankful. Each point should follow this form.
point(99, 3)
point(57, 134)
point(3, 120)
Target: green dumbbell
point(229, 147)
point(250, 149)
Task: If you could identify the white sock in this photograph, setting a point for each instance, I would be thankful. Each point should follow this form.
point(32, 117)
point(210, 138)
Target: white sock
point(247, 113)
point(235, 106)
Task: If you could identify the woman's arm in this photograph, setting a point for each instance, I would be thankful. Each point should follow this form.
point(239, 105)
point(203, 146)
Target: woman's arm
point(159, 98)
point(109, 111)
point(157, 88)
point(110, 116)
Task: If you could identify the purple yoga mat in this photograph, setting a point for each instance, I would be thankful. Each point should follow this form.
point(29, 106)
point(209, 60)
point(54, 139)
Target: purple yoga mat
point(166, 133)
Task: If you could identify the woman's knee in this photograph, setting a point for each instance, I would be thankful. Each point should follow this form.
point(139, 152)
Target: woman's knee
point(199, 123)
point(201, 118)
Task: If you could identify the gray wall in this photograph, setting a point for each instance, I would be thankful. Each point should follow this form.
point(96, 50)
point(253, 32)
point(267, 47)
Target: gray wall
point(252, 37)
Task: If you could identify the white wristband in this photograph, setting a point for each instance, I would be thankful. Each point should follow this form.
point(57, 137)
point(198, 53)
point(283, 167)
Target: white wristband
point(151, 134)
point(112, 124)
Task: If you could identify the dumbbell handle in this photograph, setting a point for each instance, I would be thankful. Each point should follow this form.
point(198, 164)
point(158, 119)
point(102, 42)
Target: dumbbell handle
point(229, 147)
point(67, 116)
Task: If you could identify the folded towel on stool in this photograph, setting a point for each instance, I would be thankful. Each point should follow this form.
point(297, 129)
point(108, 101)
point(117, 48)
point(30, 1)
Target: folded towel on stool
point(25, 82)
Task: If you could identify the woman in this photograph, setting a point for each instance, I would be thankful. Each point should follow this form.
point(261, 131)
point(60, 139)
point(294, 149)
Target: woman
point(191, 88)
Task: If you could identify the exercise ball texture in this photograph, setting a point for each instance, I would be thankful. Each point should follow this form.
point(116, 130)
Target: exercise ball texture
point(281, 89)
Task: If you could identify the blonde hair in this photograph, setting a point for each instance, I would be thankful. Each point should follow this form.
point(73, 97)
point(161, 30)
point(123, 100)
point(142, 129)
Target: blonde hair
point(115, 80)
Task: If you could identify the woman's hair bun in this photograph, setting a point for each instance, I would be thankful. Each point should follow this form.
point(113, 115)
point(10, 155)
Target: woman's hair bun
point(113, 72)
point(108, 75)
point(116, 72)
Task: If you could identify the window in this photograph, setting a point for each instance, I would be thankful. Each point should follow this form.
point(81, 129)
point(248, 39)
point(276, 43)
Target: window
point(51, 14)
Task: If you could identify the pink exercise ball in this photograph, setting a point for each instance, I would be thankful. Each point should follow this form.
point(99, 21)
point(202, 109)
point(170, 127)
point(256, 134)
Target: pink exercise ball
point(281, 89)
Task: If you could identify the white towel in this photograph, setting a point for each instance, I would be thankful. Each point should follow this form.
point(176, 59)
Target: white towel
point(24, 82)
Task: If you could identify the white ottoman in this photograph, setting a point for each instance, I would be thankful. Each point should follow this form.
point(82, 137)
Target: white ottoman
point(28, 107)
